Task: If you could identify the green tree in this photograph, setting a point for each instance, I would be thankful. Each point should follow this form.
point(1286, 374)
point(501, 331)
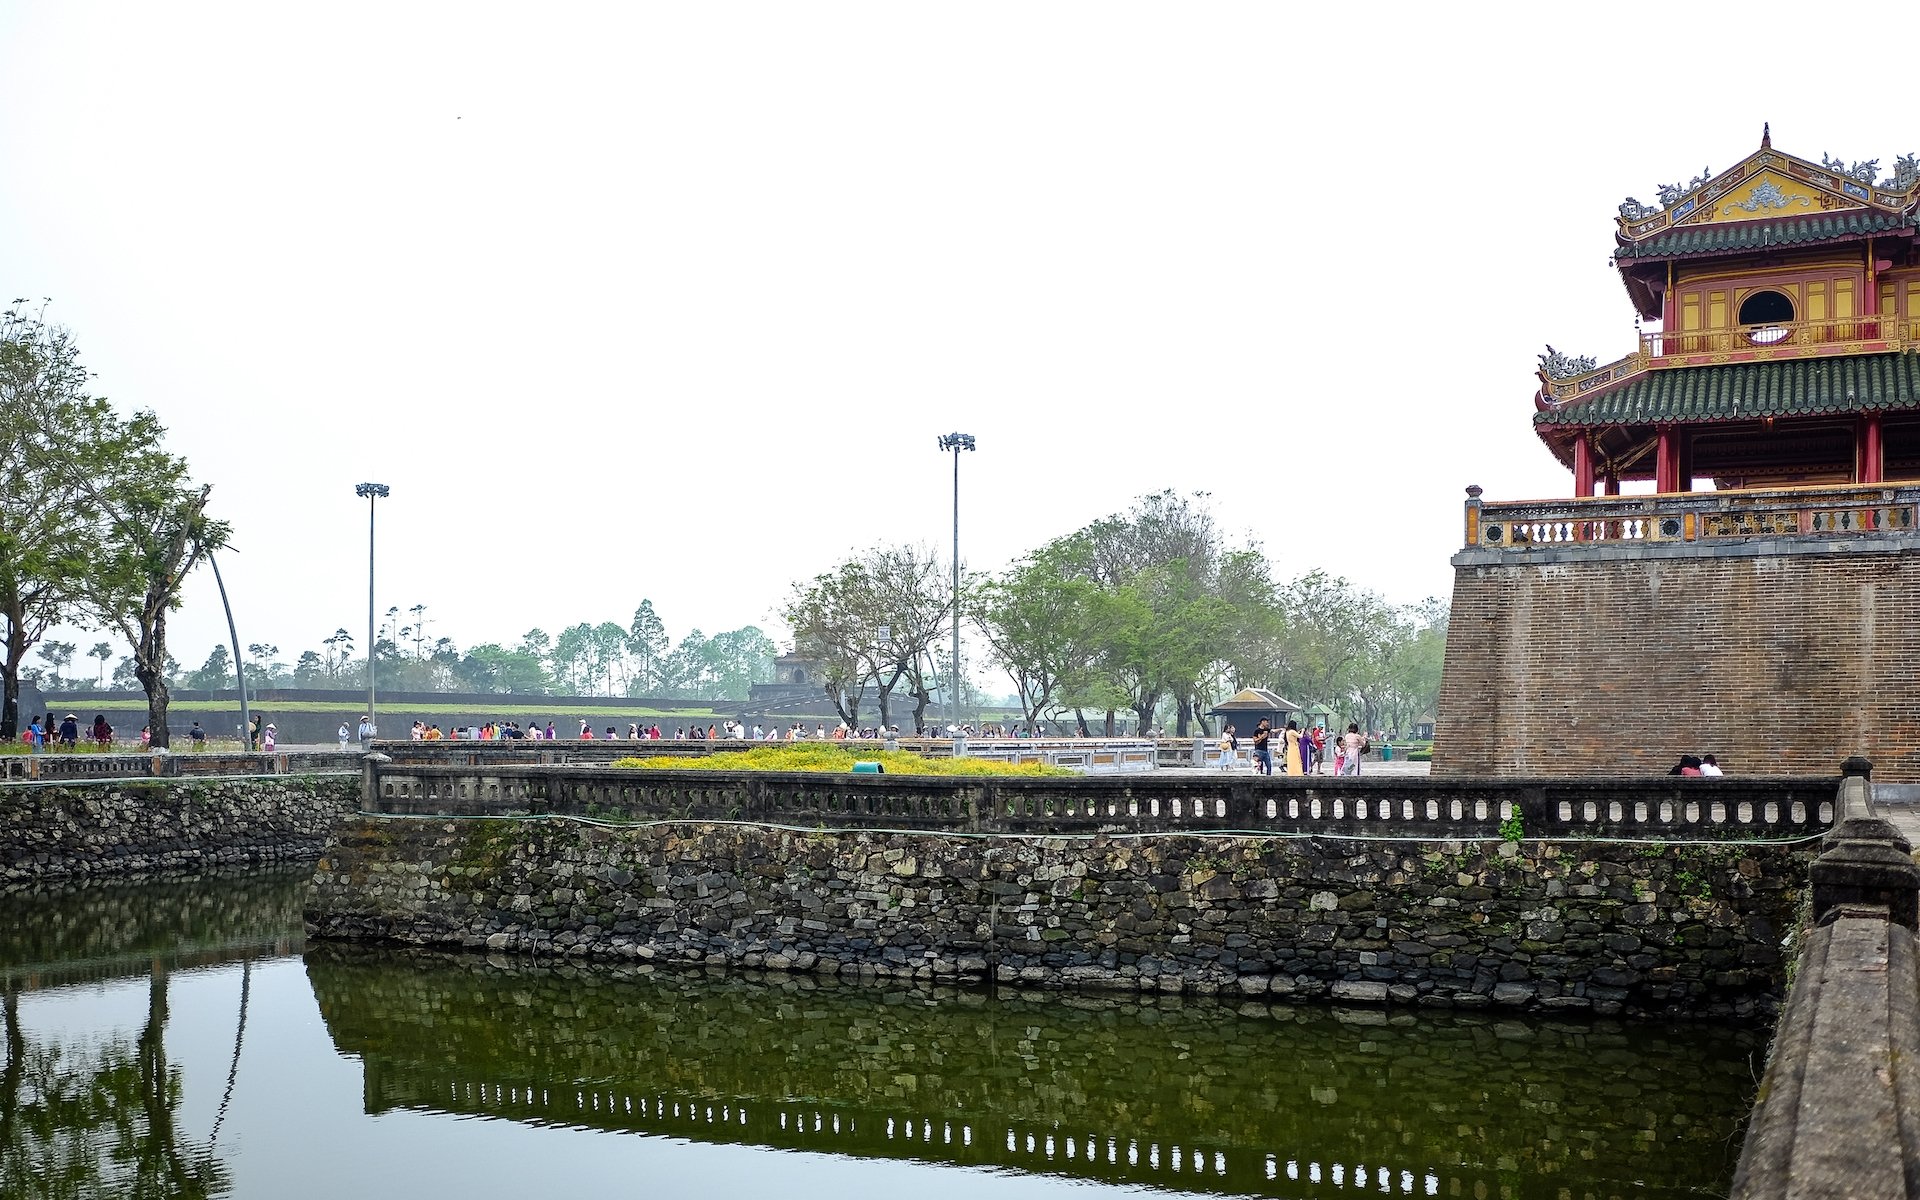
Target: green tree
point(872, 622)
point(646, 645)
point(161, 532)
point(49, 539)
point(490, 667)
point(735, 660)
point(1045, 622)
point(309, 670)
point(102, 651)
point(58, 656)
point(216, 674)
point(575, 659)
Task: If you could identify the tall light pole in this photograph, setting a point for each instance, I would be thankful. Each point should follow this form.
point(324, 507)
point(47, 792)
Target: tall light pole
point(373, 492)
point(955, 442)
point(239, 664)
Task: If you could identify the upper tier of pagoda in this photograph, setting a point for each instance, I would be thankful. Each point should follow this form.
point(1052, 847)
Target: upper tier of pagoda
point(1785, 291)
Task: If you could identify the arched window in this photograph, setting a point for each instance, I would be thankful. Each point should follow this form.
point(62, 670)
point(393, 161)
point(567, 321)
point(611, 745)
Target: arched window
point(1766, 308)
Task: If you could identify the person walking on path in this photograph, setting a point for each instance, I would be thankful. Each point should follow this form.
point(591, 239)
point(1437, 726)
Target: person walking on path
point(344, 735)
point(1295, 751)
point(366, 733)
point(1229, 749)
point(1262, 752)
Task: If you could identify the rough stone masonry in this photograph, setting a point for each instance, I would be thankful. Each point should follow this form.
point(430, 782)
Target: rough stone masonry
point(1605, 927)
point(127, 826)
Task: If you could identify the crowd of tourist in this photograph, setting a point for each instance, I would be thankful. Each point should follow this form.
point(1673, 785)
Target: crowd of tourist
point(1301, 751)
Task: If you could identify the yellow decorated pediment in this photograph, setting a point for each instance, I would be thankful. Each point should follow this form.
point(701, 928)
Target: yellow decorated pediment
point(1771, 184)
point(1768, 193)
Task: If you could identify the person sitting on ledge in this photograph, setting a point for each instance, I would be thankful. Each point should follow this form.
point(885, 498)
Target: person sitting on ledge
point(1710, 767)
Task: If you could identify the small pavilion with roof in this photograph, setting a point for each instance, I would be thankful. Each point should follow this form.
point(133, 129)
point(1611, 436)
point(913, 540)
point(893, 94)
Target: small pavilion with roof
point(1245, 708)
point(1787, 294)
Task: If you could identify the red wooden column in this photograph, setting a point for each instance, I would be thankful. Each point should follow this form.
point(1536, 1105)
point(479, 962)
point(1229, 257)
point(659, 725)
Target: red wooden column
point(1870, 451)
point(1582, 466)
point(1666, 462)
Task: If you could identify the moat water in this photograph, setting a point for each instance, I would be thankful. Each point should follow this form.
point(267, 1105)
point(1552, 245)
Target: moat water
point(176, 1039)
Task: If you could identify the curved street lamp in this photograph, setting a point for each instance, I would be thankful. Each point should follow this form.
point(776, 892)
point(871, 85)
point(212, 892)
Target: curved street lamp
point(955, 442)
point(372, 492)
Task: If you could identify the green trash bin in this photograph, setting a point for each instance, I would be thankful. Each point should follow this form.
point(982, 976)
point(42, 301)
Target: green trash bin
point(1386, 752)
point(869, 768)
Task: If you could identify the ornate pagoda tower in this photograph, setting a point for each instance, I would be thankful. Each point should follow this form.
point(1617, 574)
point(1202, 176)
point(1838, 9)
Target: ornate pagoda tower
point(1762, 604)
point(1787, 296)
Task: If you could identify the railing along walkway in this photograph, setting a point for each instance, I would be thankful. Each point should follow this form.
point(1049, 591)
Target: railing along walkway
point(1844, 511)
point(64, 767)
point(1397, 806)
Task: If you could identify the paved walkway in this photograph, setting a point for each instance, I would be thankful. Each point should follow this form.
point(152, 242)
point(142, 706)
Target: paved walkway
point(1900, 804)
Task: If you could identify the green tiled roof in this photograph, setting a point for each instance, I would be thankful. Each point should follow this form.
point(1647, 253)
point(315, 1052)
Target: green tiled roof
point(1752, 235)
point(1741, 391)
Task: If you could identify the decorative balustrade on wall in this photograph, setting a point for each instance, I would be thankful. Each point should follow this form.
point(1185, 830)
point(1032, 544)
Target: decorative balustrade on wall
point(1760, 342)
point(69, 768)
point(1700, 517)
point(1386, 806)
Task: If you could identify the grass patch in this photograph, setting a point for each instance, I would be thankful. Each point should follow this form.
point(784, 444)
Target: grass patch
point(837, 759)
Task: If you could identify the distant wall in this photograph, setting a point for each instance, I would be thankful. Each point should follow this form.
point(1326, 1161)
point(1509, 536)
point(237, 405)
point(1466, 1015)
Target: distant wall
point(1777, 656)
point(53, 830)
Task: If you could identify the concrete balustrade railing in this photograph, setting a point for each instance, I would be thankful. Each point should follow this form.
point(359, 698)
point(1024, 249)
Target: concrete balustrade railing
point(1838, 1113)
point(77, 767)
point(1396, 806)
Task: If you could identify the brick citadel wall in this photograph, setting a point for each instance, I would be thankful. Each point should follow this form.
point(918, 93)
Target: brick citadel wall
point(1589, 926)
point(132, 826)
point(1615, 660)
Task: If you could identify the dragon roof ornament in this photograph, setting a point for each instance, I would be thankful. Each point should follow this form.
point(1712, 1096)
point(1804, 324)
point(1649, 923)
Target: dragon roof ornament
point(1679, 199)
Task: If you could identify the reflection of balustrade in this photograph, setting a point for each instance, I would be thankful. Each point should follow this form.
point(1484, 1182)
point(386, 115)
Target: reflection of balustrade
point(1846, 511)
point(1203, 1096)
point(1194, 1164)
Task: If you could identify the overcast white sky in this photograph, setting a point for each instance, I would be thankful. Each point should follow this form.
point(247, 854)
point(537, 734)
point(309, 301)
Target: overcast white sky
point(672, 300)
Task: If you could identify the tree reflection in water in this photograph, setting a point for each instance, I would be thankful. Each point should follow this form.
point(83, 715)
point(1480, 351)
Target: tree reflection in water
point(101, 1119)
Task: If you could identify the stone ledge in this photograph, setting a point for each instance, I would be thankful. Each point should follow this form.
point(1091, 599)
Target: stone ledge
point(1839, 1109)
point(1641, 551)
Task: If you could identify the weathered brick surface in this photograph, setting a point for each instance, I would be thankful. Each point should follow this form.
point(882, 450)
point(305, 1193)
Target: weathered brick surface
point(1777, 663)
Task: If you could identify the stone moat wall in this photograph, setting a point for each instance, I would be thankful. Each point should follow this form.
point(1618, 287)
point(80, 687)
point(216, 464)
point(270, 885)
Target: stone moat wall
point(1581, 925)
point(129, 826)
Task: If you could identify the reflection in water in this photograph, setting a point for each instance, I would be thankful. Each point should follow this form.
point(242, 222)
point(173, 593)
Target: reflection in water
point(99, 1118)
point(1194, 1095)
